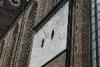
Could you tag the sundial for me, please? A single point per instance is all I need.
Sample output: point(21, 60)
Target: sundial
point(51, 39)
point(17, 3)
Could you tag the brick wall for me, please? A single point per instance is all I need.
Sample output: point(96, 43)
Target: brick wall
point(80, 55)
point(44, 7)
point(18, 40)
point(58, 61)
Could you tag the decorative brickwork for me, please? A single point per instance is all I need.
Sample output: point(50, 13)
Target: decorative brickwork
point(17, 41)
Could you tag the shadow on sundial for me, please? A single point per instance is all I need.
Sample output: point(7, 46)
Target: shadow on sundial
point(9, 9)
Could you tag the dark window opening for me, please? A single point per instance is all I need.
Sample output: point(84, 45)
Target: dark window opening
point(52, 35)
point(77, 6)
point(42, 45)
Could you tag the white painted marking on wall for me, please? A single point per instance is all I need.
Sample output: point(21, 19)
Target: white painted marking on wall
point(53, 47)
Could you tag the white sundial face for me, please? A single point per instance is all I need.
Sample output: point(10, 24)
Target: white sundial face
point(15, 2)
point(51, 39)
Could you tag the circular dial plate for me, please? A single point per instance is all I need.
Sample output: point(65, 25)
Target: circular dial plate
point(16, 2)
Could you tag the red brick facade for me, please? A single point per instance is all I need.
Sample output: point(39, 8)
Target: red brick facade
point(80, 50)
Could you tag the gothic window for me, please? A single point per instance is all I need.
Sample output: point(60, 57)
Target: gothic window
point(98, 16)
point(98, 23)
point(94, 63)
point(93, 27)
point(93, 19)
point(93, 5)
point(93, 45)
point(93, 12)
point(99, 41)
point(93, 35)
point(94, 54)
point(98, 32)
